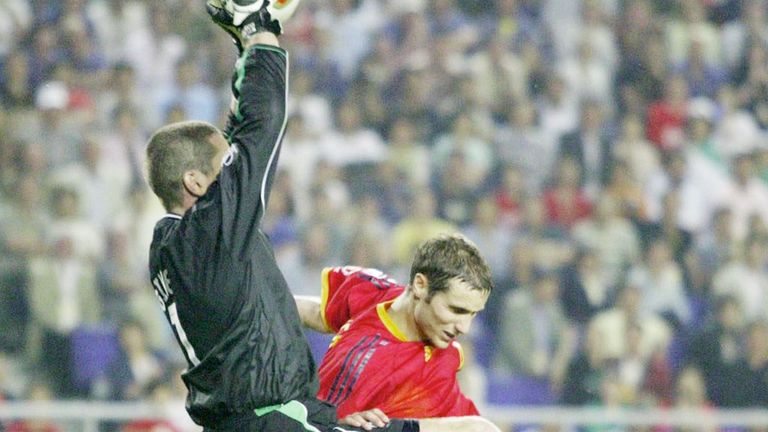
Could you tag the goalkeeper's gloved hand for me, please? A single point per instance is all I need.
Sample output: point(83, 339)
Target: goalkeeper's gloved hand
point(244, 18)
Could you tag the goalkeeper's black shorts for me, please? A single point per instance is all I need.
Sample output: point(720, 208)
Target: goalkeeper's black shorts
point(301, 416)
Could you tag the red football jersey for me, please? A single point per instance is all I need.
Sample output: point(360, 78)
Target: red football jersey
point(370, 363)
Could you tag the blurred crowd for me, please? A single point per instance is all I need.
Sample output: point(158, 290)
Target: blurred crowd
point(609, 157)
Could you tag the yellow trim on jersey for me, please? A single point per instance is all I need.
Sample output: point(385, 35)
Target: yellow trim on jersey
point(381, 309)
point(461, 354)
point(324, 292)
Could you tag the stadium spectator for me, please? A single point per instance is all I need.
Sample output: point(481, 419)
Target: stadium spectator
point(132, 374)
point(499, 72)
point(492, 238)
point(744, 277)
point(69, 222)
point(353, 146)
point(737, 131)
point(62, 296)
point(518, 273)
point(748, 197)
point(584, 288)
point(754, 367)
point(566, 201)
point(690, 390)
point(16, 90)
point(510, 194)
point(24, 222)
point(716, 350)
point(388, 186)
point(13, 379)
point(587, 75)
point(589, 146)
point(408, 154)
point(714, 248)
point(416, 227)
point(195, 97)
point(558, 107)
point(535, 339)
point(551, 246)
point(463, 140)
point(628, 194)
point(98, 181)
point(660, 280)
point(456, 191)
point(611, 237)
point(521, 142)
point(586, 372)
point(691, 201)
point(666, 115)
point(631, 147)
point(641, 378)
point(611, 326)
point(690, 28)
point(316, 252)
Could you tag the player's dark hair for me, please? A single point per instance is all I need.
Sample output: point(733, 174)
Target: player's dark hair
point(450, 256)
point(175, 149)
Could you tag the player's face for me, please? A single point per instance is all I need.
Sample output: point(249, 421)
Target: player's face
point(448, 313)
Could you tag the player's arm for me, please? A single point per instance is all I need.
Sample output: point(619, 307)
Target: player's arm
point(369, 419)
point(256, 125)
point(457, 424)
point(375, 418)
point(309, 312)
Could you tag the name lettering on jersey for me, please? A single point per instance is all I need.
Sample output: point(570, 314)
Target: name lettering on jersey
point(162, 284)
point(163, 287)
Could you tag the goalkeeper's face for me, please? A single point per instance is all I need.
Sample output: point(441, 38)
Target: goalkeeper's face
point(446, 314)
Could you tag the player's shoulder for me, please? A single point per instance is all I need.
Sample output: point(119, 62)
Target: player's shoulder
point(359, 275)
point(164, 227)
point(168, 220)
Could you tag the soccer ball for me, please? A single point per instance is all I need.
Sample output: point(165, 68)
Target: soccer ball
point(282, 10)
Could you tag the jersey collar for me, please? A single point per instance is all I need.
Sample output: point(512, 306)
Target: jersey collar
point(381, 309)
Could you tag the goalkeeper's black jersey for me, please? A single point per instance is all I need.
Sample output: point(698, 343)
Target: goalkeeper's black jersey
point(215, 272)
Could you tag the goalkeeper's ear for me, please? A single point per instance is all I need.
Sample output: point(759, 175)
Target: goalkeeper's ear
point(195, 182)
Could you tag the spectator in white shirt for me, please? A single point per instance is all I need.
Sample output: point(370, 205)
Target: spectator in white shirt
point(745, 278)
point(748, 197)
point(660, 280)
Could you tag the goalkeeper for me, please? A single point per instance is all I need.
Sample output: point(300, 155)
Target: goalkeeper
point(213, 269)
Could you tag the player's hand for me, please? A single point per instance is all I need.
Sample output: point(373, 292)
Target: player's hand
point(367, 420)
point(219, 16)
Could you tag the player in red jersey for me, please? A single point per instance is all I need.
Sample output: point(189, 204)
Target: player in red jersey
point(395, 352)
